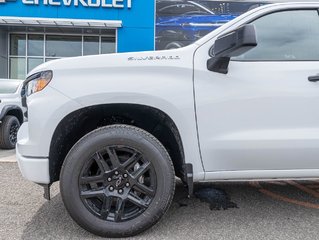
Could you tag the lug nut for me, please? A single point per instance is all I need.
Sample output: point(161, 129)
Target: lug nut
point(120, 191)
point(116, 173)
point(127, 184)
point(111, 188)
point(109, 179)
point(125, 175)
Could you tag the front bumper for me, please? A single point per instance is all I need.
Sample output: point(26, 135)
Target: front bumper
point(34, 169)
point(46, 109)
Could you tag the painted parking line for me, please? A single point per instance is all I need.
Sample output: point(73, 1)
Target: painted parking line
point(304, 187)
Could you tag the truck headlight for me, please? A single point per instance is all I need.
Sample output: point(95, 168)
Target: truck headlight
point(37, 82)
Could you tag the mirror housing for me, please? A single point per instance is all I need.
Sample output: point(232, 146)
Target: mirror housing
point(229, 45)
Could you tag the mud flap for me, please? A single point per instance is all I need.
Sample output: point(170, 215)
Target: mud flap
point(47, 193)
point(188, 178)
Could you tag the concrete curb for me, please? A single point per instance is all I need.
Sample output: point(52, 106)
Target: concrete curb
point(7, 156)
point(10, 159)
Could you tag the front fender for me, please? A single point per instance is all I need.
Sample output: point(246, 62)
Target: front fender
point(183, 117)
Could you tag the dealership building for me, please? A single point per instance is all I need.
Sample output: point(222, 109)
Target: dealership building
point(36, 31)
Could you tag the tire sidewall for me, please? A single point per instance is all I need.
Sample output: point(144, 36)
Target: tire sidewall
point(97, 140)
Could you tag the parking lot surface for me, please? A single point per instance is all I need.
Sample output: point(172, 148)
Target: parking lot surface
point(284, 210)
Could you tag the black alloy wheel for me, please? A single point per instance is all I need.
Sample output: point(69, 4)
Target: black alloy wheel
point(117, 184)
point(117, 181)
point(13, 132)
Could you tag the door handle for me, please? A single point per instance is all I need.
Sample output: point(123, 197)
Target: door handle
point(313, 78)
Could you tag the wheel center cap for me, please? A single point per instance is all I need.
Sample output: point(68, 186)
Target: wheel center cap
point(119, 180)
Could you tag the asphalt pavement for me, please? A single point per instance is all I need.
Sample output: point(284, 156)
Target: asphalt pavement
point(284, 210)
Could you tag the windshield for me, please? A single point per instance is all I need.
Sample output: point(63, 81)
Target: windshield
point(229, 7)
point(7, 86)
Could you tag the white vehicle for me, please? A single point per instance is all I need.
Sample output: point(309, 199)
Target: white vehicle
point(11, 113)
point(116, 129)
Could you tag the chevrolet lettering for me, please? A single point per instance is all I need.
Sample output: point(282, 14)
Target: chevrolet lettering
point(85, 3)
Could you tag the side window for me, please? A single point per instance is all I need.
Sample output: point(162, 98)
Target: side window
point(286, 36)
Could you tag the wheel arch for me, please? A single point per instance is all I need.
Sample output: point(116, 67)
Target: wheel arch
point(82, 121)
point(12, 110)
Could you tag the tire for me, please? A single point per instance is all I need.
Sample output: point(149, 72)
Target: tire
point(8, 132)
point(174, 45)
point(112, 165)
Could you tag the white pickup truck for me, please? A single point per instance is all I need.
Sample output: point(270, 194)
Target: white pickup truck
point(239, 104)
point(11, 113)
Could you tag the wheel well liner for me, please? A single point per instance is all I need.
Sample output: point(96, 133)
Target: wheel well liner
point(77, 124)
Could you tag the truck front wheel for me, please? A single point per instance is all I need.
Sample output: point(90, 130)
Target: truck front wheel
point(117, 181)
point(8, 132)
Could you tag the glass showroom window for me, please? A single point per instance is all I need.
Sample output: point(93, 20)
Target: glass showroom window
point(18, 51)
point(30, 50)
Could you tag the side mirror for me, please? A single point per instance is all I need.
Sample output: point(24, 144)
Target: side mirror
point(230, 45)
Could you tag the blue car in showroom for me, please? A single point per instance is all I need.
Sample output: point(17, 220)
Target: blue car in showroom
point(182, 22)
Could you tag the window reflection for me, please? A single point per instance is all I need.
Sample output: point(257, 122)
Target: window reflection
point(107, 45)
point(34, 62)
point(17, 68)
point(35, 45)
point(286, 36)
point(91, 45)
point(63, 46)
point(17, 43)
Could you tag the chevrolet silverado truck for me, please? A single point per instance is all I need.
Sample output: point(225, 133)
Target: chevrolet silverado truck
point(239, 104)
point(11, 116)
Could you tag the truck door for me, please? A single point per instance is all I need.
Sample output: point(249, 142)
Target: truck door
point(262, 118)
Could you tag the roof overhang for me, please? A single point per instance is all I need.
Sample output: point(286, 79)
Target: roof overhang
point(60, 22)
